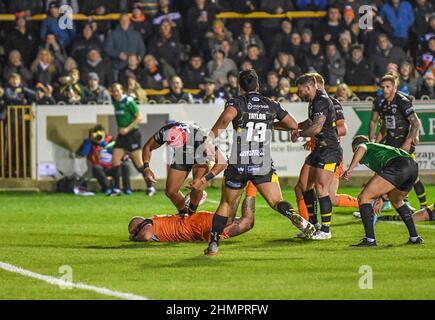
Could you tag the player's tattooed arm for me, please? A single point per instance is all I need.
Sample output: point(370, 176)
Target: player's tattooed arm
point(315, 127)
point(373, 124)
point(246, 222)
point(413, 131)
point(305, 124)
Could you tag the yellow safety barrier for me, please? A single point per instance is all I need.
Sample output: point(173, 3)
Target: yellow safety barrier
point(222, 15)
point(15, 143)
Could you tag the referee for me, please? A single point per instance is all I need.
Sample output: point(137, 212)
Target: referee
point(128, 118)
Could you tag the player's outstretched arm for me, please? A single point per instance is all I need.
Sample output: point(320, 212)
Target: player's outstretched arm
point(357, 156)
point(228, 115)
point(413, 132)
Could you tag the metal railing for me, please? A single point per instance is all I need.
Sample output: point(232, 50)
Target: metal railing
point(15, 143)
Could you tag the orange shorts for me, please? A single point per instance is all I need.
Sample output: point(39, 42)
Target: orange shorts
point(339, 170)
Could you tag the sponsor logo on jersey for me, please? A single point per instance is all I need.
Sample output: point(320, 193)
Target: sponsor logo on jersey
point(252, 153)
point(255, 99)
point(240, 170)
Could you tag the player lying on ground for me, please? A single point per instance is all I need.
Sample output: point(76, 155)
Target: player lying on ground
point(399, 123)
point(425, 214)
point(252, 116)
point(396, 173)
point(186, 143)
point(197, 227)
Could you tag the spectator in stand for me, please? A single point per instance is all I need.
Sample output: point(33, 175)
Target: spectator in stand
point(71, 91)
point(385, 53)
point(165, 12)
point(330, 29)
point(15, 65)
point(219, 33)
point(349, 19)
point(156, 73)
point(87, 41)
point(201, 16)
point(335, 65)
point(369, 36)
point(297, 50)
point(53, 25)
point(241, 6)
point(231, 89)
point(260, 63)
point(284, 94)
point(121, 43)
point(43, 95)
point(315, 58)
point(90, 7)
point(58, 53)
point(176, 93)
point(134, 90)
point(271, 89)
point(423, 10)
point(400, 15)
point(194, 73)
point(358, 69)
point(209, 94)
point(344, 44)
point(344, 93)
point(149, 7)
point(30, 7)
point(426, 61)
point(219, 67)
point(408, 78)
point(23, 39)
point(271, 26)
point(94, 92)
point(427, 89)
point(16, 93)
point(95, 63)
point(167, 46)
point(103, 27)
point(141, 23)
point(286, 66)
point(307, 39)
point(309, 5)
point(44, 69)
point(281, 41)
point(69, 65)
point(247, 38)
point(430, 33)
point(133, 67)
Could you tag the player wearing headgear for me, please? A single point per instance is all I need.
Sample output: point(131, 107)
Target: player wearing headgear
point(186, 142)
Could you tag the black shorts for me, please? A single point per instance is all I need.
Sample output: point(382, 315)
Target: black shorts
point(326, 159)
point(129, 142)
point(401, 172)
point(182, 167)
point(235, 179)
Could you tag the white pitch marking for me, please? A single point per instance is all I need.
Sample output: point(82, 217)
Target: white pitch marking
point(59, 282)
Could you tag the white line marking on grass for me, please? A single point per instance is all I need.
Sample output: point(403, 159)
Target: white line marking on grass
point(417, 225)
point(60, 282)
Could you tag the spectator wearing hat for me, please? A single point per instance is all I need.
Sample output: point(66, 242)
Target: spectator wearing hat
point(134, 68)
point(349, 17)
point(218, 34)
point(219, 67)
point(427, 89)
point(194, 73)
point(385, 53)
point(166, 45)
point(401, 17)
point(95, 63)
point(134, 90)
point(409, 78)
point(156, 74)
point(209, 94)
point(121, 43)
point(23, 39)
point(141, 23)
point(94, 92)
point(85, 43)
point(369, 36)
point(176, 93)
point(15, 65)
point(426, 61)
point(358, 69)
point(53, 25)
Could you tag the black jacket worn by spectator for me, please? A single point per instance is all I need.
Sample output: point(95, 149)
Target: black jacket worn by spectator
point(359, 73)
point(426, 91)
point(168, 49)
point(380, 59)
point(198, 28)
point(192, 78)
point(26, 75)
point(261, 65)
point(369, 37)
point(153, 79)
point(281, 43)
point(82, 46)
point(178, 98)
point(102, 68)
point(334, 30)
point(138, 73)
point(26, 43)
point(315, 62)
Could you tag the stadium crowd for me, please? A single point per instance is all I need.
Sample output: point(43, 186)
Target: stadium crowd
point(158, 44)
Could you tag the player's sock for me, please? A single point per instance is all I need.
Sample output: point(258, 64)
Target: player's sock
point(310, 199)
point(345, 200)
point(192, 208)
point(303, 211)
point(149, 184)
point(406, 215)
point(116, 177)
point(218, 225)
point(251, 190)
point(285, 208)
point(367, 215)
point(325, 213)
point(421, 194)
point(183, 211)
point(431, 212)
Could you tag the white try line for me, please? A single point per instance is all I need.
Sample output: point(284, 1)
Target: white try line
point(66, 284)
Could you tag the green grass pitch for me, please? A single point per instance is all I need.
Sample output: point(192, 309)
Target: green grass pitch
point(41, 232)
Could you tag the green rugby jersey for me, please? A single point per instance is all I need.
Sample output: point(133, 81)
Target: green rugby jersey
point(125, 111)
point(378, 155)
